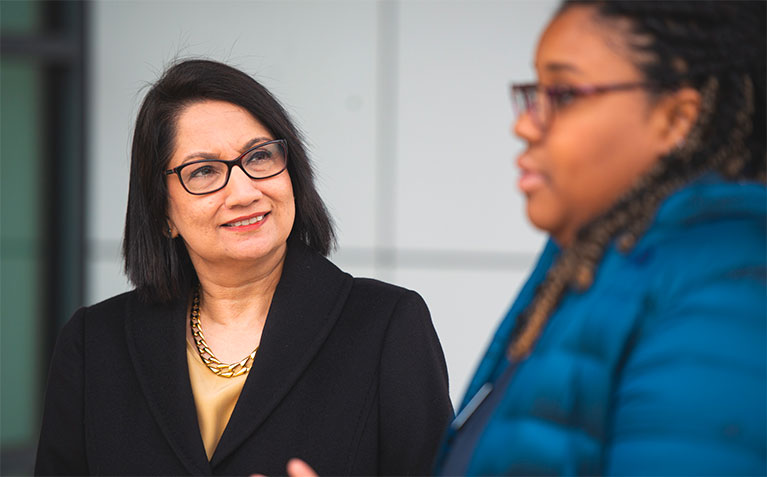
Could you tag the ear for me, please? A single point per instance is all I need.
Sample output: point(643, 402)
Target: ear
point(171, 231)
point(675, 116)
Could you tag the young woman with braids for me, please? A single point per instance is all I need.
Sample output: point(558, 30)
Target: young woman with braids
point(638, 344)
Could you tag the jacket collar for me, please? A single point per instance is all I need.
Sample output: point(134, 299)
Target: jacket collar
point(306, 304)
point(498, 347)
point(156, 338)
point(706, 198)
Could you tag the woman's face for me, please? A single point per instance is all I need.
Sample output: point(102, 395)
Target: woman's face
point(595, 147)
point(216, 227)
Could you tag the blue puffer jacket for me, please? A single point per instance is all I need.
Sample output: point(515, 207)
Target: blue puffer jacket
point(657, 369)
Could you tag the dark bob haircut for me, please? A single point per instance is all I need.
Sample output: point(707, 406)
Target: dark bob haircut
point(158, 266)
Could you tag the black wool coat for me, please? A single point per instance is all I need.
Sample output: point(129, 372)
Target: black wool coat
point(350, 377)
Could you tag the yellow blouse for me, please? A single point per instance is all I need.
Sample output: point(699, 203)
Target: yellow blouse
point(214, 398)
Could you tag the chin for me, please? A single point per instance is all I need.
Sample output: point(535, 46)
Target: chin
point(541, 217)
point(265, 251)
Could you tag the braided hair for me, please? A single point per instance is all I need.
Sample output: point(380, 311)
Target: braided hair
point(716, 47)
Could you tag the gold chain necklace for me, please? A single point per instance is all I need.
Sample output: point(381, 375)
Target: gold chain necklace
point(217, 367)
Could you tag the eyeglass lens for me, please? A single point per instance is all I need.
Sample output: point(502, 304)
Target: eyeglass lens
point(258, 163)
point(532, 100)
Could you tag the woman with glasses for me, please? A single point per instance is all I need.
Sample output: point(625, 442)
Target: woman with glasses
point(637, 346)
point(242, 346)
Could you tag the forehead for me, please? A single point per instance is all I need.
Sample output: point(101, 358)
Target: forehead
point(214, 128)
point(209, 119)
point(580, 42)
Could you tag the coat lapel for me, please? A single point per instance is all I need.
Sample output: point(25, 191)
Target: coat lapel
point(157, 344)
point(308, 300)
point(497, 350)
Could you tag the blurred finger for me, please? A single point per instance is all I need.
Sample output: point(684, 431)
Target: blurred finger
point(299, 468)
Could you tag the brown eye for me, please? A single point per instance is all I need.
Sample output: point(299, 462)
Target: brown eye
point(258, 156)
point(202, 171)
point(203, 174)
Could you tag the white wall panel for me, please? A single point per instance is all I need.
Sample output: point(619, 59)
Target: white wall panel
point(466, 307)
point(456, 178)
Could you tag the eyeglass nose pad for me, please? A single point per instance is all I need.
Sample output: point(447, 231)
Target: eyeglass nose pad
point(537, 115)
point(238, 165)
point(241, 165)
point(525, 103)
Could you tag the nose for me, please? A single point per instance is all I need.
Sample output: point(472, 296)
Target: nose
point(526, 128)
point(241, 190)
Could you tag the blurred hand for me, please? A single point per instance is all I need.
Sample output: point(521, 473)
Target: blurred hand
point(299, 468)
point(296, 468)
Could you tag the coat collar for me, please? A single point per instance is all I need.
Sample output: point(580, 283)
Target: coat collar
point(156, 338)
point(497, 350)
point(306, 304)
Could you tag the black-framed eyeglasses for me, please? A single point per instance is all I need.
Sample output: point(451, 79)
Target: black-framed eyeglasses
point(206, 176)
point(541, 102)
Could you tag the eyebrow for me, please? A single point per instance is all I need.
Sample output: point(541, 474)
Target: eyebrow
point(557, 67)
point(207, 155)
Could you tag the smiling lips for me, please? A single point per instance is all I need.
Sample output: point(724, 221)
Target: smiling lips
point(252, 220)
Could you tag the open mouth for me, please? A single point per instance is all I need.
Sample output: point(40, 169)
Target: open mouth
point(250, 221)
